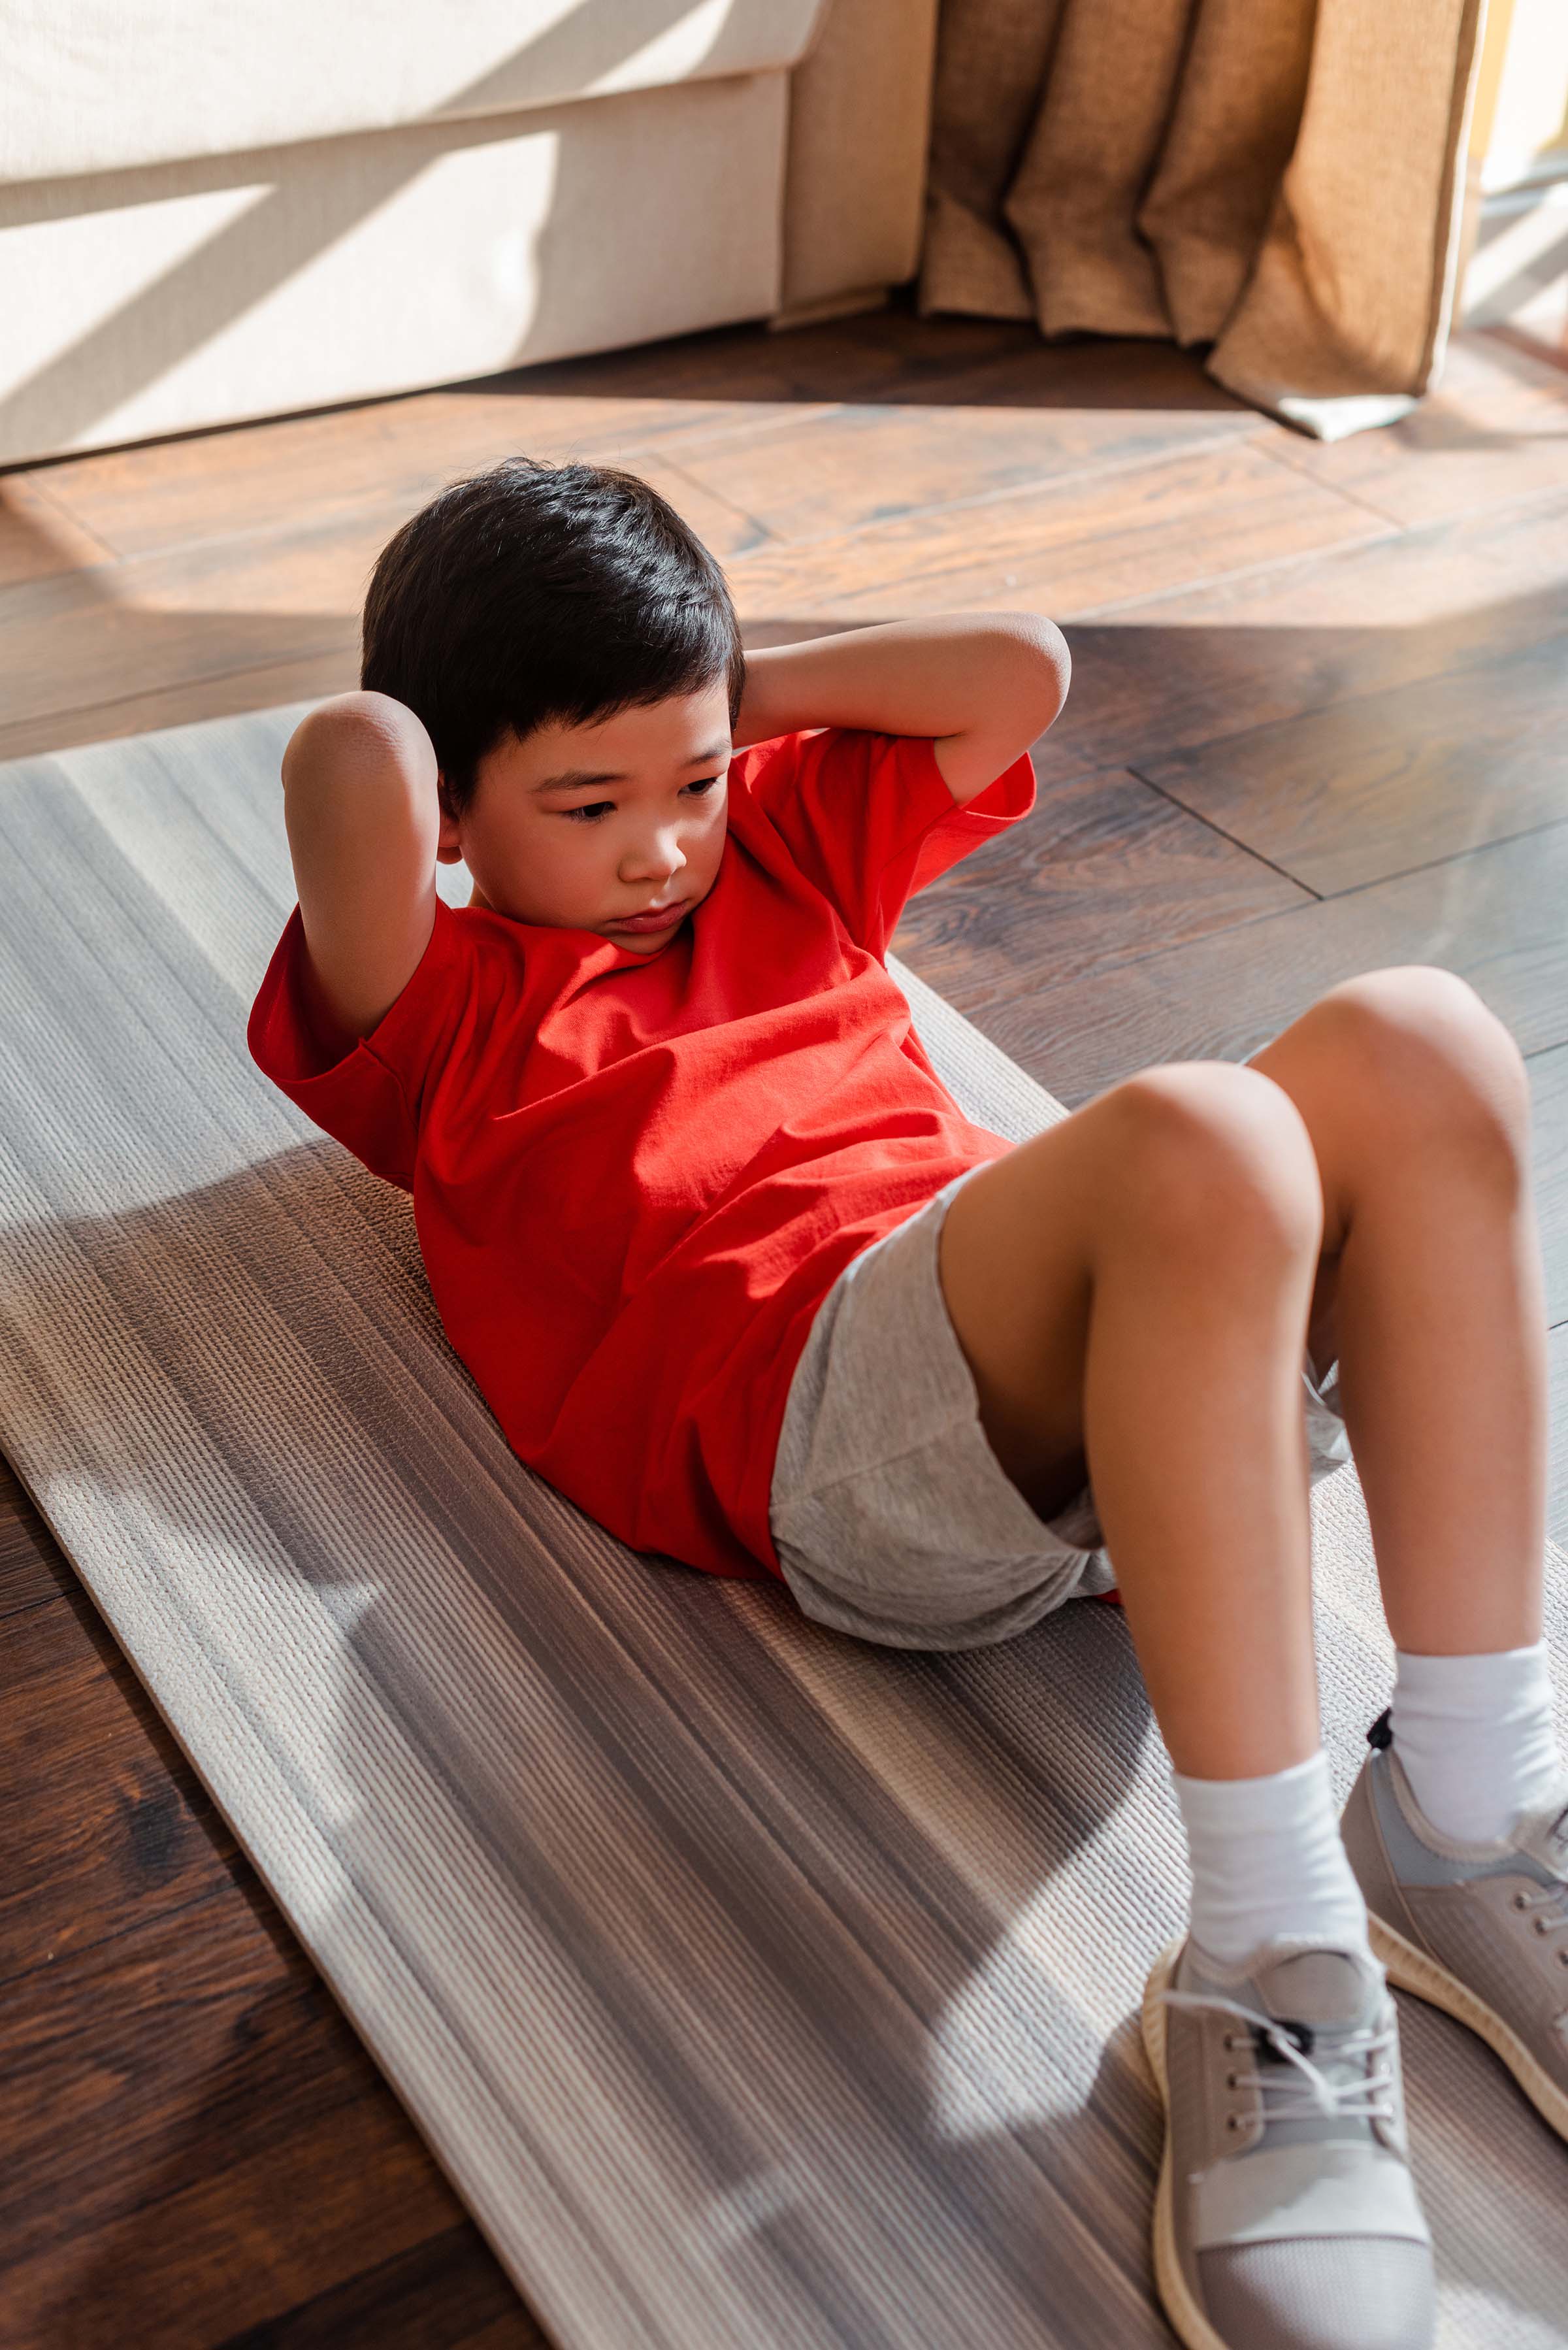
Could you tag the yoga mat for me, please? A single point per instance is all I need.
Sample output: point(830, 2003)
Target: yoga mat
point(752, 1985)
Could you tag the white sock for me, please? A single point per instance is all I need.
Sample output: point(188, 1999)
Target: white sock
point(1268, 1859)
point(1476, 1736)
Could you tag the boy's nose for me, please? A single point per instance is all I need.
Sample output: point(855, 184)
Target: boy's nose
point(661, 857)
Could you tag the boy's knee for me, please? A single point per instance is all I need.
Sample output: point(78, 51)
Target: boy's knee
point(1426, 1057)
point(1216, 1153)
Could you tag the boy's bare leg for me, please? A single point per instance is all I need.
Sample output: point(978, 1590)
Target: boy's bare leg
point(1138, 1284)
point(1432, 1293)
point(1134, 1285)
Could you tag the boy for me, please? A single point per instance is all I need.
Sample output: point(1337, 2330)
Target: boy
point(735, 1273)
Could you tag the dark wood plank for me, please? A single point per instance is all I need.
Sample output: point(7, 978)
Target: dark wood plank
point(1385, 782)
point(1101, 870)
point(435, 2297)
point(154, 1991)
point(1496, 430)
point(1102, 375)
point(1495, 916)
point(102, 1826)
point(889, 357)
point(1203, 663)
point(197, 2143)
point(33, 1567)
point(158, 2030)
point(1076, 547)
point(1549, 1109)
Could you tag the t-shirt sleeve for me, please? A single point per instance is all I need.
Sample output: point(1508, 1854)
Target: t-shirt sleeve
point(870, 818)
point(372, 1101)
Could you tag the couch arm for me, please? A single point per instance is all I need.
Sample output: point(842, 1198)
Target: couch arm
point(860, 111)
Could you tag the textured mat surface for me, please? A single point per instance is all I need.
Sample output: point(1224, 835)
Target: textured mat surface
point(754, 1986)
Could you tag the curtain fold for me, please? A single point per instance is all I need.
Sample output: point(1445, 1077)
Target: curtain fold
point(1278, 180)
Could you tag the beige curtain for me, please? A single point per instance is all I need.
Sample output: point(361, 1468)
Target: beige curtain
point(1279, 179)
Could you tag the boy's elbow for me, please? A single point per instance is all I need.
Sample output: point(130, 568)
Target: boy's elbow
point(1040, 663)
point(355, 734)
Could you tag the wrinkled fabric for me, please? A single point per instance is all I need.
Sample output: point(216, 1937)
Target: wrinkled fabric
point(1279, 179)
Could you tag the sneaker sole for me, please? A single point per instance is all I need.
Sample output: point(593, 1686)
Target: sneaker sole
point(1414, 1971)
point(1185, 2317)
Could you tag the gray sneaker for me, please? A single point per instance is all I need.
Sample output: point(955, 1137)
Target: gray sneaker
point(1480, 1930)
point(1286, 2217)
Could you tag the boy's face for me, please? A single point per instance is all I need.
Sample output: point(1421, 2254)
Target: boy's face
point(582, 826)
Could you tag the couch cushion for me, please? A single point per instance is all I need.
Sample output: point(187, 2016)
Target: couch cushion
point(202, 291)
point(93, 86)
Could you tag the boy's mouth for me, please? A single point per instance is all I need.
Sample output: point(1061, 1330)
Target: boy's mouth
point(658, 918)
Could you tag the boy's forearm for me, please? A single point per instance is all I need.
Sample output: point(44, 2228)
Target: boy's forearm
point(965, 671)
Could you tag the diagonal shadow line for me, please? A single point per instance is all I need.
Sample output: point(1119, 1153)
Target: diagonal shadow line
point(566, 59)
point(229, 270)
point(204, 292)
point(1532, 276)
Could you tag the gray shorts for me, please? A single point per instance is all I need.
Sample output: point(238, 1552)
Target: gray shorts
point(892, 1517)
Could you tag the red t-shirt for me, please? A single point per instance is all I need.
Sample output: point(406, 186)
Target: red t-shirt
point(636, 1176)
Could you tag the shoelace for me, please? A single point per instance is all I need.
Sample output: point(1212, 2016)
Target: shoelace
point(1552, 1898)
point(1339, 2099)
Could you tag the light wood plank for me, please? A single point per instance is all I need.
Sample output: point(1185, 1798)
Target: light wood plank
point(1496, 430)
point(221, 696)
point(161, 494)
point(1537, 339)
point(202, 612)
point(394, 454)
point(825, 475)
point(1079, 547)
point(38, 538)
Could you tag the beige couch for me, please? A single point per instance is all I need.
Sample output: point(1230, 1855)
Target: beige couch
point(219, 209)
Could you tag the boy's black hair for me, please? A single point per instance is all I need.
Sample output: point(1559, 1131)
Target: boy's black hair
point(532, 592)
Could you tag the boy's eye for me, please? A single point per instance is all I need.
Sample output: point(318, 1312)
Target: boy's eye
point(591, 811)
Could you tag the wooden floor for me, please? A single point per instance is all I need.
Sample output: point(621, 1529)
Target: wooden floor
point(1316, 725)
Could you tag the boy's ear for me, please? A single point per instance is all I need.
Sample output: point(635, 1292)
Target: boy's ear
point(448, 849)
